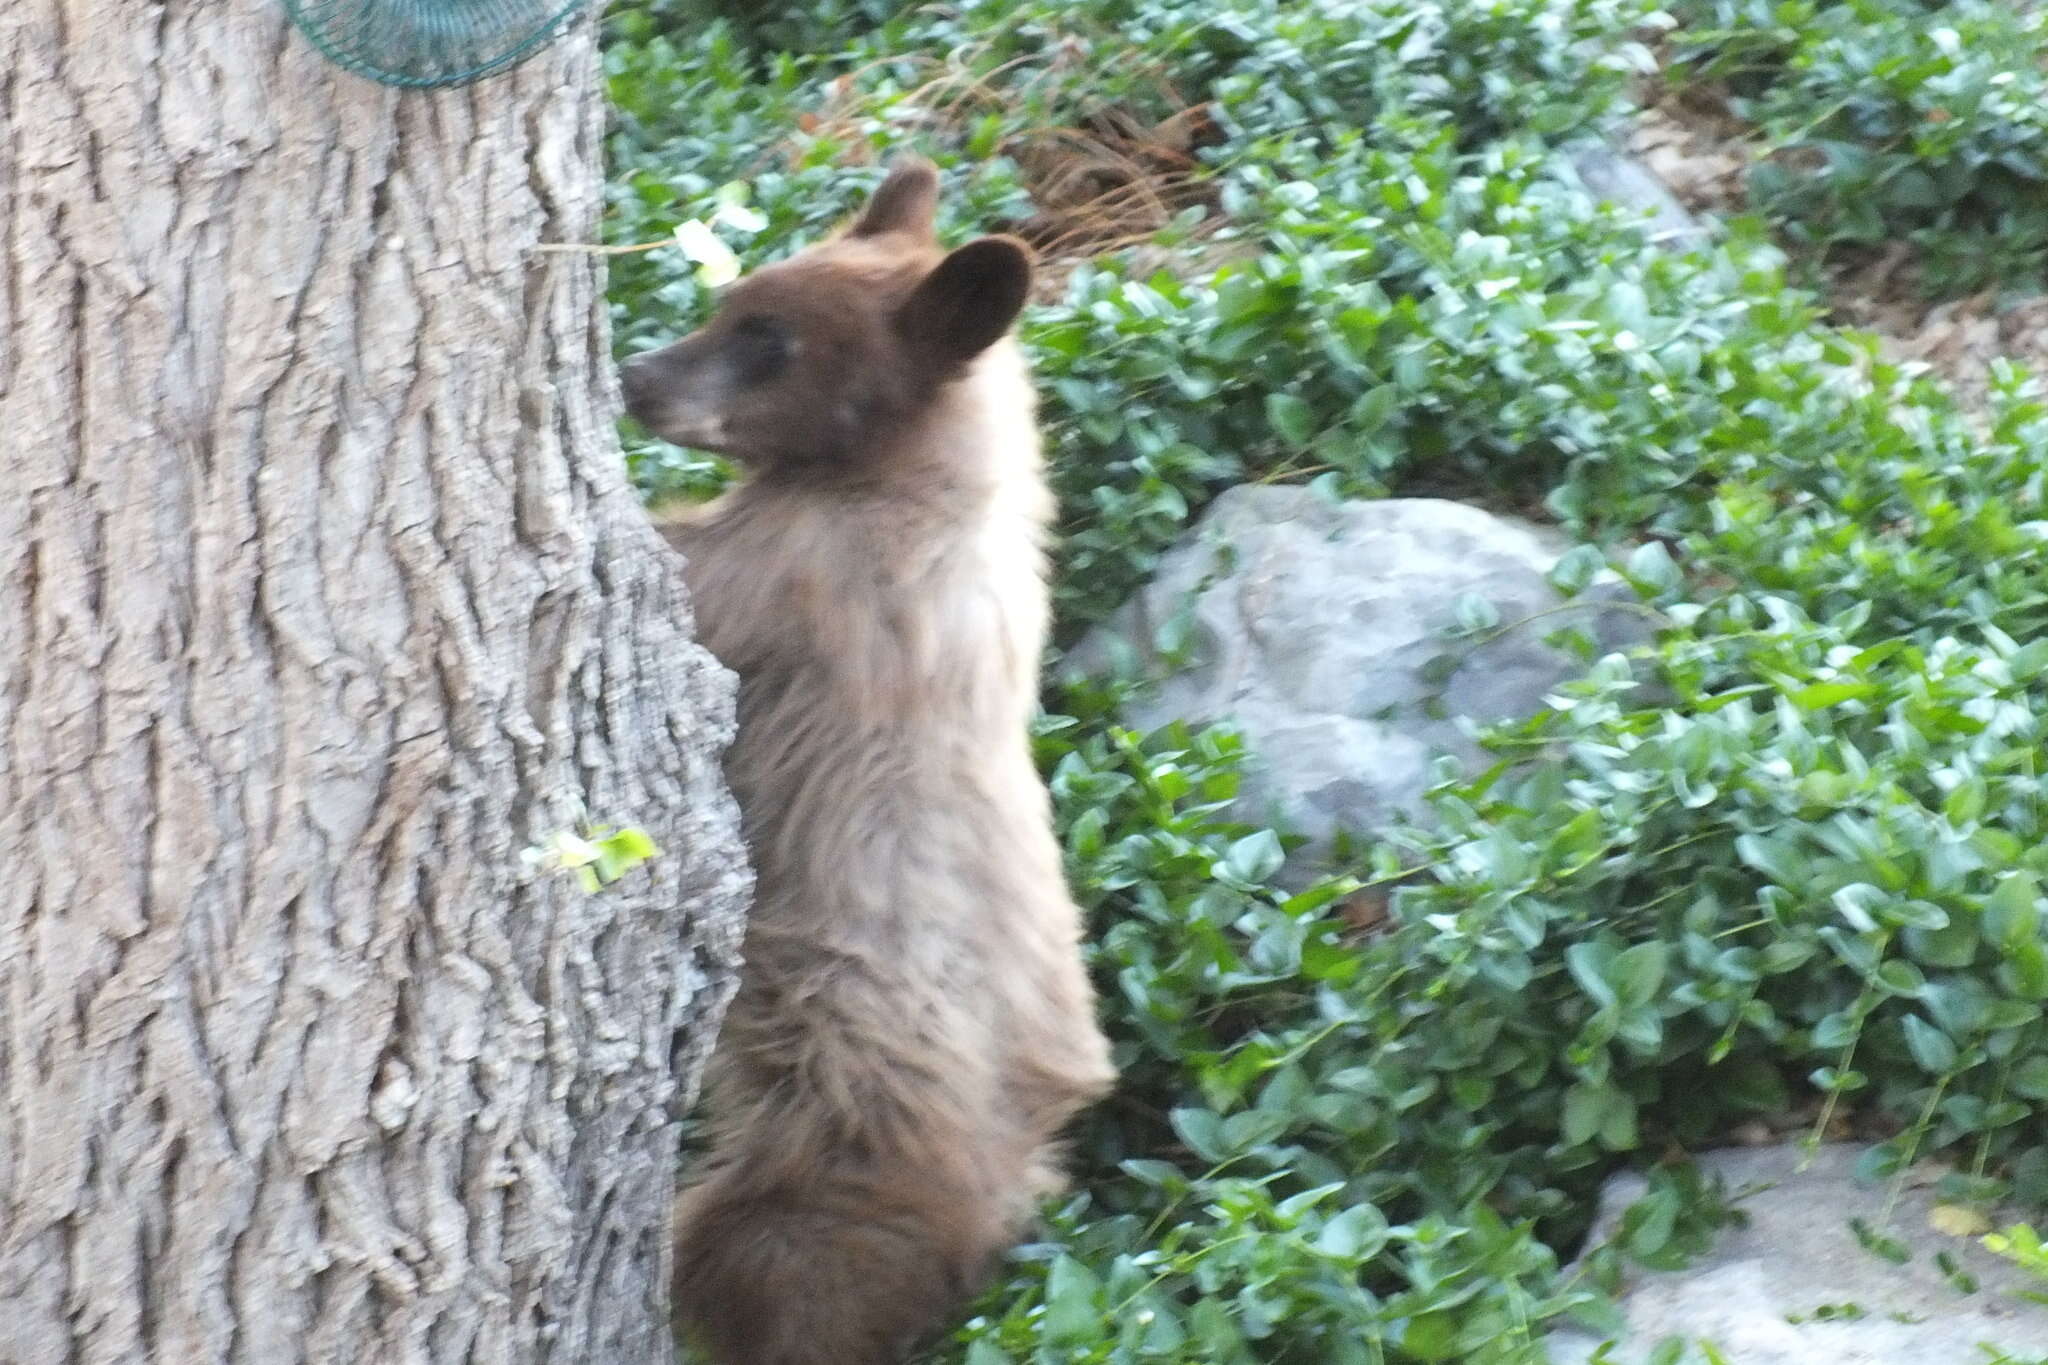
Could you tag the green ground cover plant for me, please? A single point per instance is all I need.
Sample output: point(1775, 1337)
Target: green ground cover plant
point(1891, 121)
point(1807, 879)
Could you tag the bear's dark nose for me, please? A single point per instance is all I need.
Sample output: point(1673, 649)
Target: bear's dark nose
point(636, 382)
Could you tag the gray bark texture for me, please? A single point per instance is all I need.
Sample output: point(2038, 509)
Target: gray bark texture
point(321, 589)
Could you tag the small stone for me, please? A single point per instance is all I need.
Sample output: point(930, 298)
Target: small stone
point(1612, 174)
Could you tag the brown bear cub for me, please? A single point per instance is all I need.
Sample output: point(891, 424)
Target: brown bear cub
point(913, 1025)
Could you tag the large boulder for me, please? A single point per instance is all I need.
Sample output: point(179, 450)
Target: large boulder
point(1796, 1286)
point(1319, 628)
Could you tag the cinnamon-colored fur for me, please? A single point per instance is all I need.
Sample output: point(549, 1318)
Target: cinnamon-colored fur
point(913, 1025)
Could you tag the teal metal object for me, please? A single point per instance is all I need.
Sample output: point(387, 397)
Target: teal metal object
point(423, 44)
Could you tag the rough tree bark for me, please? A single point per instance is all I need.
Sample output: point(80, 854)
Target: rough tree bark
point(319, 584)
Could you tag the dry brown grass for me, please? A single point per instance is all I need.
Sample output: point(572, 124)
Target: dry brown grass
point(1105, 179)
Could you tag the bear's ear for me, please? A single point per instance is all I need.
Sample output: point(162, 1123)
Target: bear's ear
point(968, 301)
point(907, 201)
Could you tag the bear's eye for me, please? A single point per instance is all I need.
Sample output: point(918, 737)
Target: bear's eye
point(759, 347)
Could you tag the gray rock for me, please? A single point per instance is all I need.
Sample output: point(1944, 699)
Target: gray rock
point(1313, 625)
point(1754, 1297)
point(1613, 175)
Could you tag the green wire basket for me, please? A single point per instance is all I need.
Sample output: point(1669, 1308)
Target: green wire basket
point(424, 44)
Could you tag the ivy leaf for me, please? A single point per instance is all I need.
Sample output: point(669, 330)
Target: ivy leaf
point(1253, 859)
point(2012, 911)
point(1651, 566)
point(1073, 1313)
point(1931, 1048)
point(1292, 418)
point(1356, 1234)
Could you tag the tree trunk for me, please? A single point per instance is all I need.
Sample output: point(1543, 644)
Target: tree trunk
point(321, 594)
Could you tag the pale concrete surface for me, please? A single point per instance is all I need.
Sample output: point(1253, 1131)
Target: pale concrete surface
point(1799, 1254)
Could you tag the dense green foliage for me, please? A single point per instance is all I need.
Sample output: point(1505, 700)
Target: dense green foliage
point(1811, 873)
point(1892, 120)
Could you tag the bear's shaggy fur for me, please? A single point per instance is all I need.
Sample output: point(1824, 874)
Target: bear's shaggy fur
point(913, 1025)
